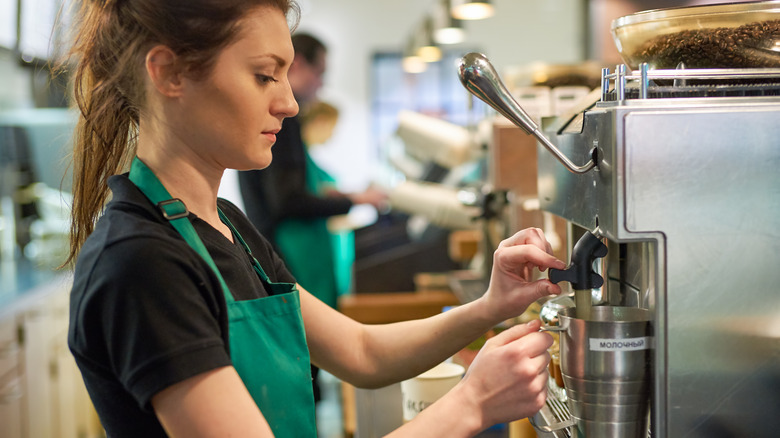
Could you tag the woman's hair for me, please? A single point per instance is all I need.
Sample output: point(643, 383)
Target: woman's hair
point(111, 45)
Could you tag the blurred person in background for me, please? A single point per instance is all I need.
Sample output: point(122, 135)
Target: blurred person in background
point(333, 271)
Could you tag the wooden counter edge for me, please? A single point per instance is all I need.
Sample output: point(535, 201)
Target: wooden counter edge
point(382, 308)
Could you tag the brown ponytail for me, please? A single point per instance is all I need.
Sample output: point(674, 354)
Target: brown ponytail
point(111, 45)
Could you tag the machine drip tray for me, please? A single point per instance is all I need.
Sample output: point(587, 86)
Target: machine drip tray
point(556, 411)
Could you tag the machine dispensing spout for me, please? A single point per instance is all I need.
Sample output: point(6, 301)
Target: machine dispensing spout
point(580, 272)
point(480, 78)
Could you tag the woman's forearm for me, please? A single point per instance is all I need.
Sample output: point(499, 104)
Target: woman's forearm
point(372, 356)
point(398, 351)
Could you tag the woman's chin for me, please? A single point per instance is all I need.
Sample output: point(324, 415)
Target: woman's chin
point(258, 162)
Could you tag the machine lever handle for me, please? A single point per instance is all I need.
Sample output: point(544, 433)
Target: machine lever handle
point(480, 78)
point(580, 271)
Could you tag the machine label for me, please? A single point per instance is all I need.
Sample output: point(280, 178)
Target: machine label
point(627, 344)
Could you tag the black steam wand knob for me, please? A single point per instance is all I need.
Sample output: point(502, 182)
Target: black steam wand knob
point(580, 272)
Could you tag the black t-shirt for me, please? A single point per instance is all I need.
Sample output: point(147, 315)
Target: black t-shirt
point(147, 311)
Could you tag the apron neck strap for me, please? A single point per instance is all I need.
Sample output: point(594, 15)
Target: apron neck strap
point(255, 264)
point(174, 210)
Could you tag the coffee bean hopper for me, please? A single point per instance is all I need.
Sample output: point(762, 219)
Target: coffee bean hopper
point(670, 182)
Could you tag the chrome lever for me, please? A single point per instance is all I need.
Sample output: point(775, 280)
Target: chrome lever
point(480, 78)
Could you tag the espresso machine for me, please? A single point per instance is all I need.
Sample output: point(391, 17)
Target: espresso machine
point(676, 172)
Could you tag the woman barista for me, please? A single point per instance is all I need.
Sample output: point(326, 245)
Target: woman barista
point(183, 320)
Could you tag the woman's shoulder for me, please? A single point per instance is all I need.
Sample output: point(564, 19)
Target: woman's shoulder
point(129, 216)
point(126, 249)
point(131, 236)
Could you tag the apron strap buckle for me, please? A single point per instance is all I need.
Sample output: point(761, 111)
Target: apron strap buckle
point(173, 209)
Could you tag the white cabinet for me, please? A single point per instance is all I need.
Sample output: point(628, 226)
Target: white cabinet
point(43, 394)
point(11, 406)
point(37, 378)
point(10, 381)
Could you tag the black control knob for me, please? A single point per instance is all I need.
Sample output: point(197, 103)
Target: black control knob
point(580, 272)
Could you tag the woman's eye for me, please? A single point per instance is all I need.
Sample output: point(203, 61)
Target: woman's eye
point(264, 79)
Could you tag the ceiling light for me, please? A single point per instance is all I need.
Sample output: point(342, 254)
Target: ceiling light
point(472, 9)
point(427, 49)
point(412, 62)
point(446, 28)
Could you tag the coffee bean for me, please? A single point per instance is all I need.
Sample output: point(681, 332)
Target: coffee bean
point(746, 46)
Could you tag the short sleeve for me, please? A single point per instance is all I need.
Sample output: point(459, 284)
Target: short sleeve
point(151, 310)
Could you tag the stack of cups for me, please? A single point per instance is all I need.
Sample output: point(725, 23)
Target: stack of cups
point(605, 363)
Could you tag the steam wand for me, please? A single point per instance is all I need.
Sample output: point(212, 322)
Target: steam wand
point(480, 78)
point(580, 272)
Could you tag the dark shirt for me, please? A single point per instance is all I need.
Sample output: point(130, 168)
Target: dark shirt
point(146, 310)
point(279, 192)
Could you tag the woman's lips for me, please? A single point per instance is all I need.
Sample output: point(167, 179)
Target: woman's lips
point(271, 135)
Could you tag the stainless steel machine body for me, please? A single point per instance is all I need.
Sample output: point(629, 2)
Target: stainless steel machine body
point(686, 193)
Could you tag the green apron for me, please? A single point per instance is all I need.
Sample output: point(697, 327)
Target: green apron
point(321, 260)
point(267, 340)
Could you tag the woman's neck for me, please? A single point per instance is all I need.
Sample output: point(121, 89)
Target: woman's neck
point(186, 177)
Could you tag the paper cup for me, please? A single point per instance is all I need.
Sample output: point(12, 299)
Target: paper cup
point(420, 392)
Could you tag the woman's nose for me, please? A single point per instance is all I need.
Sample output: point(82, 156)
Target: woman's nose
point(286, 105)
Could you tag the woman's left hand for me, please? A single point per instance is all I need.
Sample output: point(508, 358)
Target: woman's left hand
point(512, 288)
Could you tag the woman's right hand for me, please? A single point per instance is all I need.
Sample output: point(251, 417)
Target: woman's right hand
point(508, 379)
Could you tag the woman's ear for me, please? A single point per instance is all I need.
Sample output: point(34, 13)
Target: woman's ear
point(164, 71)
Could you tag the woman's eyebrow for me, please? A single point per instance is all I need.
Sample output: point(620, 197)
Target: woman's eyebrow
point(281, 62)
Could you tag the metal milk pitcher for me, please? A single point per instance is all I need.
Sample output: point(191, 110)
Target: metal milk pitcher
point(606, 367)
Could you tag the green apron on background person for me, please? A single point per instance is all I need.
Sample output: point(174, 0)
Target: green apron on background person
point(267, 339)
point(320, 260)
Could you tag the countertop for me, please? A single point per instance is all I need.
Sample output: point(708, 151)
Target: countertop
point(23, 283)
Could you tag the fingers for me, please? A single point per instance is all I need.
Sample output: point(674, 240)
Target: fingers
point(534, 342)
point(542, 289)
point(539, 388)
point(528, 236)
point(545, 366)
point(510, 373)
point(516, 332)
point(530, 358)
point(520, 255)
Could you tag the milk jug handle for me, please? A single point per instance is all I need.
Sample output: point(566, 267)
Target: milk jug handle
point(564, 325)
